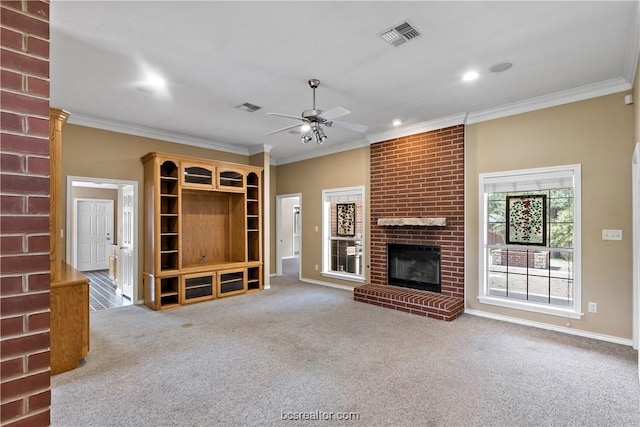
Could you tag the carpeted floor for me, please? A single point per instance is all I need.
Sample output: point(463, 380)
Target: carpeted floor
point(306, 351)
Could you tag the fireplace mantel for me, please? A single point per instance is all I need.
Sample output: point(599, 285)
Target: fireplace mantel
point(423, 222)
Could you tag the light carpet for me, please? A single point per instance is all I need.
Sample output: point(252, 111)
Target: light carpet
point(302, 351)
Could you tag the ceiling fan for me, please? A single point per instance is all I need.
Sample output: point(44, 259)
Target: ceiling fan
point(314, 120)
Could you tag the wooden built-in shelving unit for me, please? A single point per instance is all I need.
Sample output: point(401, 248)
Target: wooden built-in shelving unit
point(203, 229)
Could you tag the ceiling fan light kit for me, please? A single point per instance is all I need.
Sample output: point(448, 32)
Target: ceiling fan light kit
point(314, 119)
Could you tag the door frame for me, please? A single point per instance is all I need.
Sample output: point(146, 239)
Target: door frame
point(635, 186)
point(70, 214)
point(279, 199)
point(74, 229)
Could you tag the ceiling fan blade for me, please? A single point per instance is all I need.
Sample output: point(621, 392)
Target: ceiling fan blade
point(348, 126)
point(289, 116)
point(335, 113)
point(283, 129)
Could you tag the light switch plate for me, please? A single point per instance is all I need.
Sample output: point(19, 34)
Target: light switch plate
point(611, 234)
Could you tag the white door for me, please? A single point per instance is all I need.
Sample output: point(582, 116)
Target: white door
point(296, 230)
point(95, 234)
point(125, 257)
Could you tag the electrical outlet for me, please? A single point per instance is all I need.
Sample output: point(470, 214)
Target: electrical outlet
point(611, 234)
point(316, 267)
point(593, 307)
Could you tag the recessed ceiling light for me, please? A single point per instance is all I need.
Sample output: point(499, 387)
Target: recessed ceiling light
point(152, 83)
point(469, 76)
point(396, 122)
point(500, 66)
point(156, 81)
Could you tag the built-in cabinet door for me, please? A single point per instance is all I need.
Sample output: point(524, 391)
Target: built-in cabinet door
point(198, 176)
point(231, 180)
point(198, 287)
point(232, 282)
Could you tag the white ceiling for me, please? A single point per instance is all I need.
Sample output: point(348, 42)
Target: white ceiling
point(217, 55)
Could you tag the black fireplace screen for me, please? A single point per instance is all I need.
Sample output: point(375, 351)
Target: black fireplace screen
point(414, 266)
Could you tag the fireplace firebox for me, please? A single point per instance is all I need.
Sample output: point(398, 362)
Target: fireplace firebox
point(414, 266)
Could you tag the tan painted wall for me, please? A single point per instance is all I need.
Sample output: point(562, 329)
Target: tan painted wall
point(599, 134)
point(310, 177)
point(96, 153)
point(636, 104)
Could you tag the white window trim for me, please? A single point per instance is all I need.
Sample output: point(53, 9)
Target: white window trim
point(574, 312)
point(326, 235)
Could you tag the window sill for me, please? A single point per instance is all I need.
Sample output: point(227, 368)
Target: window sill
point(349, 277)
point(528, 306)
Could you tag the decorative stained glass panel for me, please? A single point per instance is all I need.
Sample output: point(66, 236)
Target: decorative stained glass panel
point(346, 219)
point(526, 216)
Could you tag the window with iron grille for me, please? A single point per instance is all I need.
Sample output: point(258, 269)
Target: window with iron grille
point(539, 271)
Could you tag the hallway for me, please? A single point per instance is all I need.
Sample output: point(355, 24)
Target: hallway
point(102, 291)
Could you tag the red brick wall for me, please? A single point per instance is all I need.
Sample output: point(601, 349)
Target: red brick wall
point(24, 223)
point(420, 176)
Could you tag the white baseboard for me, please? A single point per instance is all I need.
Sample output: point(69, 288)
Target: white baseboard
point(570, 331)
point(327, 284)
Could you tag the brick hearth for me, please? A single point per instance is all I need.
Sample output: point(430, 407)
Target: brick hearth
point(422, 303)
point(419, 176)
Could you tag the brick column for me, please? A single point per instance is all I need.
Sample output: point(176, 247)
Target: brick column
point(420, 175)
point(24, 207)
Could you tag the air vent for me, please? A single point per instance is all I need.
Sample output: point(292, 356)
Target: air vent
point(248, 107)
point(400, 34)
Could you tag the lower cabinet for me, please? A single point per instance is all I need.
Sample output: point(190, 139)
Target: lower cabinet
point(198, 287)
point(177, 289)
point(69, 313)
point(232, 282)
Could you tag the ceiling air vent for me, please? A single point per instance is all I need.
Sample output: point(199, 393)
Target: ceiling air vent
point(400, 34)
point(248, 107)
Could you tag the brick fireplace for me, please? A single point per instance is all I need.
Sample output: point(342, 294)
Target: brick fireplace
point(416, 177)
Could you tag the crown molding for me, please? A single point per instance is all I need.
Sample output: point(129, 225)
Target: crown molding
point(443, 122)
point(130, 129)
point(607, 87)
point(260, 148)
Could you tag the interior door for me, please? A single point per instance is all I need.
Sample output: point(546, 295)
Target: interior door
point(125, 258)
point(94, 234)
point(296, 230)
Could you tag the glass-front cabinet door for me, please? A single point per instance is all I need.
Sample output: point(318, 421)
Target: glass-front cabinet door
point(231, 180)
point(198, 176)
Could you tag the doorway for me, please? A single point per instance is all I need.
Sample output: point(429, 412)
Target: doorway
point(101, 236)
point(289, 234)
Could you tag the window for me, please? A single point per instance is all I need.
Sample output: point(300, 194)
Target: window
point(343, 233)
point(535, 272)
